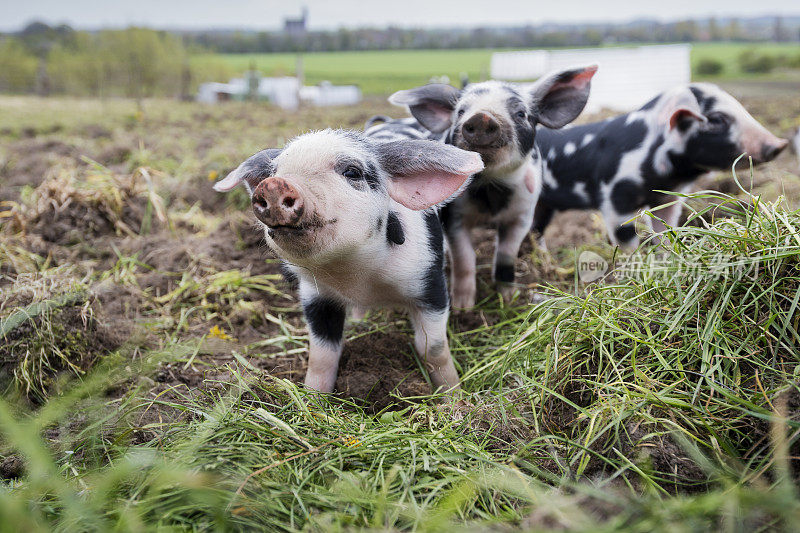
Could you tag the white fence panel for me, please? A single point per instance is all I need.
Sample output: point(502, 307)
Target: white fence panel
point(626, 79)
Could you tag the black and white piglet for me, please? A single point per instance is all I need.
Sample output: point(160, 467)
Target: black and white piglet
point(499, 121)
point(355, 221)
point(617, 165)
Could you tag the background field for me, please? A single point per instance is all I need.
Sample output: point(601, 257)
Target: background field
point(383, 72)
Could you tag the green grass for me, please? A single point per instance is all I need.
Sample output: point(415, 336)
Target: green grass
point(382, 72)
point(376, 72)
point(728, 55)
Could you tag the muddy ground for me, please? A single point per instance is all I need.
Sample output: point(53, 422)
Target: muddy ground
point(122, 202)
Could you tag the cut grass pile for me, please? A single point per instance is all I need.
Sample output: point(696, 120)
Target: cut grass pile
point(665, 398)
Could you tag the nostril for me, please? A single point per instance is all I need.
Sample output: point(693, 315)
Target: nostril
point(770, 152)
point(260, 205)
point(288, 202)
point(469, 128)
point(491, 128)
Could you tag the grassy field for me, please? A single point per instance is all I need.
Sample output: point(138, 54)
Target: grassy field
point(382, 72)
point(151, 356)
point(376, 72)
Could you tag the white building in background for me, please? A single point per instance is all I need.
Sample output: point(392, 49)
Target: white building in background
point(282, 91)
point(326, 94)
point(626, 79)
point(285, 92)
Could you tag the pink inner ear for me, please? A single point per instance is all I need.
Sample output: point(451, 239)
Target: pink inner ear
point(229, 182)
point(441, 118)
point(420, 191)
point(683, 112)
point(578, 81)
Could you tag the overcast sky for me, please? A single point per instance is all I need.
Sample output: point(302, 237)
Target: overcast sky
point(327, 14)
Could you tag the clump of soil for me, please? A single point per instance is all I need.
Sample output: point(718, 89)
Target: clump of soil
point(60, 342)
point(50, 327)
point(65, 211)
point(504, 432)
point(12, 467)
point(657, 451)
point(30, 162)
point(235, 245)
point(114, 155)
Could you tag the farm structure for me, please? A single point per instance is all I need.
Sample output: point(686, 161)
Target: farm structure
point(626, 79)
point(285, 92)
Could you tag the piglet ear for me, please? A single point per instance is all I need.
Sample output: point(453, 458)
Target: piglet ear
point(251, 172)
point(679, 107)
point(426, 173)
point(432, 105)
point(559, 98)
point(682, 116)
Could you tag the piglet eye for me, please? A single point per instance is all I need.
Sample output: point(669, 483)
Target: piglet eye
point(460, 112)
point(521, 114)
point(352, 173)
point(717, 121)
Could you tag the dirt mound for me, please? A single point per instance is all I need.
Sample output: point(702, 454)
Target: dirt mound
point(50, 340)
point(29, 162)
point(66, 211)
point(114, 154)
point(82, 221)
point(199, 191)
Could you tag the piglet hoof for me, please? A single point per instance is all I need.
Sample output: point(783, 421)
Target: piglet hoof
point(319, 383)
point(464, 296)
point(448, 395)
point(507, 291)
point(447, 388)
point(357, 314)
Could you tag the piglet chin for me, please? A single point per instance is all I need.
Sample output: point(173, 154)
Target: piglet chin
point(292, 245)
point(287, 232)
point(491, 156)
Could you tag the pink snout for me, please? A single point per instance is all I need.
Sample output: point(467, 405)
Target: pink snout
point(771, 149)
point(480, 130)
point(277, 203)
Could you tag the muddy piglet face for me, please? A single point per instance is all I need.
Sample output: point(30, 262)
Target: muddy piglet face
point(328, 193)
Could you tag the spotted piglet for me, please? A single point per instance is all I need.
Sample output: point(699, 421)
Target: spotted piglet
point(500, 122)
point(621, 165)
point(356, 222)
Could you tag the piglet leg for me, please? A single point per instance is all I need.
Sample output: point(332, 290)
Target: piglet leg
point(509, 239)
point(325, 317)
point(463, 268)
point(621, 229)
point(670, 215)
point(430, 341)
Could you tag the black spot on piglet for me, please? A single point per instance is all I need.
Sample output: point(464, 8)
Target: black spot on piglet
point(625, 233)
point(394, 229)
point(325, 317)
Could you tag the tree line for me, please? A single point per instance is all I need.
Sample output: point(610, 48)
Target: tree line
point(547, 35)
point(134, 62)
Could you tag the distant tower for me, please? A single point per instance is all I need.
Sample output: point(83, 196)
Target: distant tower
point(296, 27)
